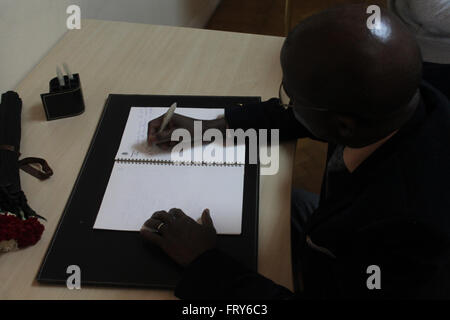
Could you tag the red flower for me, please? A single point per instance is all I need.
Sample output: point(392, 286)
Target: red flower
point(25, 232)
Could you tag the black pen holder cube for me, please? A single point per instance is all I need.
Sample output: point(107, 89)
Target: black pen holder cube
point(63, 101)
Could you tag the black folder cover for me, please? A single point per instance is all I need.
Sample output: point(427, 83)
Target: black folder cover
point(118, 257)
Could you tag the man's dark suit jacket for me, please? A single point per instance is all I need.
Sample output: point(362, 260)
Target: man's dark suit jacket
point(396, 215)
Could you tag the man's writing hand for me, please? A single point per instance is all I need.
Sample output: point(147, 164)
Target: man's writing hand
point(179, 236)
point(163, 138)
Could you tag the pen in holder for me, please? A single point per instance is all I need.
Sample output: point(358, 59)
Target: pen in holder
point(65, 98)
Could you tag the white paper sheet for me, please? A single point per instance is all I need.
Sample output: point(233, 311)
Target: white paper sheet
point(136, 191)
point(133, 145)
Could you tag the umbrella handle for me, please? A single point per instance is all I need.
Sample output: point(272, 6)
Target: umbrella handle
point(29, 166)
point(26, 164)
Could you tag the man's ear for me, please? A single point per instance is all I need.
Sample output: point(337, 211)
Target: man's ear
point(346, 126)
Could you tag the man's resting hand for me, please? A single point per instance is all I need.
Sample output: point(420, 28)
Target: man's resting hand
point(179, 236)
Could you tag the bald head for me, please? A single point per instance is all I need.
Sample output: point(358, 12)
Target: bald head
point(366, 78)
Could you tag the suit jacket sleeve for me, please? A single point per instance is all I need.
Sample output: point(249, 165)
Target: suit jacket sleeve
point(393, 258)
point(217, 276)
point(410, 267)
point(267, 115)
point(412, 257)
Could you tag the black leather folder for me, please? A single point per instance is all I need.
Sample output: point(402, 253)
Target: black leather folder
point(121, 258)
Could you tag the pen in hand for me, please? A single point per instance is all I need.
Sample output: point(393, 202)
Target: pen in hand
point(167, 117)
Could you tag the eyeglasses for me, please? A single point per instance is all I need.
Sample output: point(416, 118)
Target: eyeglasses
point(286, 102)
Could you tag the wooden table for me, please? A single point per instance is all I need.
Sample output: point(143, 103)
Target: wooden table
point(118, 57)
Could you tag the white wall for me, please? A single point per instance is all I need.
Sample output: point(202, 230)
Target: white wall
point(186, 13)
point(30, 28)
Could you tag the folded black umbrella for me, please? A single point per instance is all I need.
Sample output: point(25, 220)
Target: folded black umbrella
point(12, 198)
point(10, 132)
